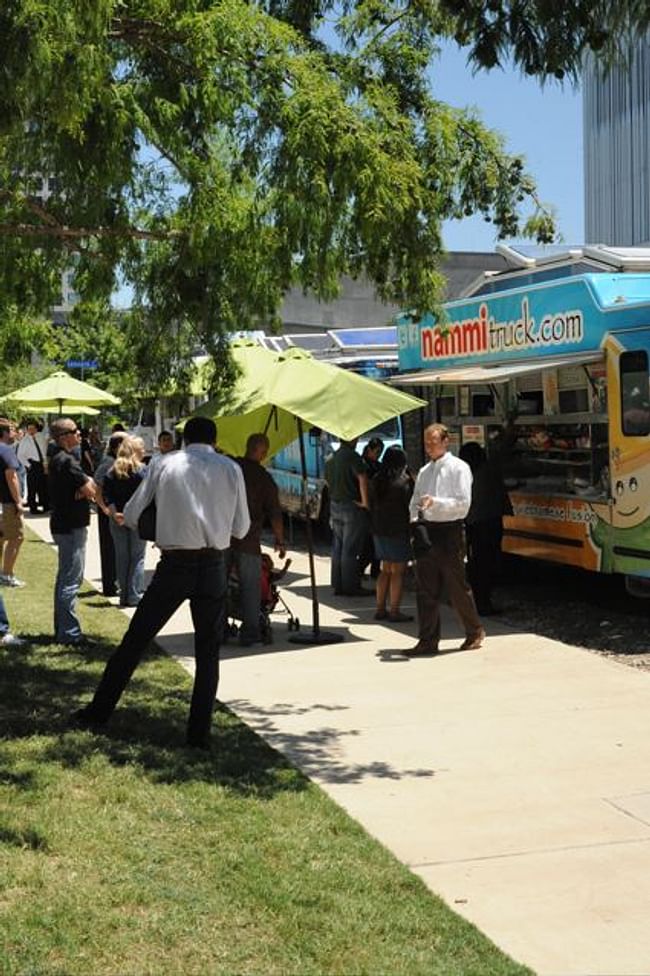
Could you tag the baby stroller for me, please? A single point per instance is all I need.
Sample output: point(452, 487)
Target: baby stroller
point(270, 598)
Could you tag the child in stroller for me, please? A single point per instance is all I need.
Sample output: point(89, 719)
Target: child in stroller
point(270, 597)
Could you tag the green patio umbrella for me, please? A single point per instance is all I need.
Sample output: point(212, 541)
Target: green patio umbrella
point(285, 391)
point(246, 409)
point(338, 400)
point(62, 391)
point(77, 410)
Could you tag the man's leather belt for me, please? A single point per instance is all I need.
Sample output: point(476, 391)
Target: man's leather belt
point(193, 553)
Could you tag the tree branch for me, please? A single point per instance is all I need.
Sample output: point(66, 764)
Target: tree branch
point(79, 233)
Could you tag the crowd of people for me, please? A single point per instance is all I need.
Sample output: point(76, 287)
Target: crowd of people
point(210, 510)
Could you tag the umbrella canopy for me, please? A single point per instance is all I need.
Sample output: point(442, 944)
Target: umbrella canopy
point(78, 410)
point(336, 399)
point(247, 409)
point(63, 391)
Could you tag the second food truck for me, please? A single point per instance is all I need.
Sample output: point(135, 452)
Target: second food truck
point(556, 353)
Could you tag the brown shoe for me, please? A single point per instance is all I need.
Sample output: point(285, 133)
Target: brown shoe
point(474, 642)
point(422, 649)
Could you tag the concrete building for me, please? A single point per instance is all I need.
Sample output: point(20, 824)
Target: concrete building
point(616, 121)
point(358, 307)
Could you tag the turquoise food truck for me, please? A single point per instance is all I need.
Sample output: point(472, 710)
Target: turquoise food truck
point(554, 351)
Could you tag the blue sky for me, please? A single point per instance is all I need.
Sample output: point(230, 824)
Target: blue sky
point(542, 124)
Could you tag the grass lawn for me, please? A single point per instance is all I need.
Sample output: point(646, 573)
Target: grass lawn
point(126, 853)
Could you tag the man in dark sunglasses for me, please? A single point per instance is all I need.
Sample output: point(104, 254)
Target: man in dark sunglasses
point(71, 491)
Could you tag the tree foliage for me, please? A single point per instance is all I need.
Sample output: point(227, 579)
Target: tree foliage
point(216, 152)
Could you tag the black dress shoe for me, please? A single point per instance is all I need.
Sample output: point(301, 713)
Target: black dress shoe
point(422, 649)
point(202, 744)
point(81, 642)
point(83, 718)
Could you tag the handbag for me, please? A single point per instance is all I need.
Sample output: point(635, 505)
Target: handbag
point(420, 539)
point(147, 522)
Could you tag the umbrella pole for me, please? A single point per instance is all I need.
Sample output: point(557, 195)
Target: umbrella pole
point(317, 635)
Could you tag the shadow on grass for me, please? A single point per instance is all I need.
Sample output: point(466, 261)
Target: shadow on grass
point(42, 686)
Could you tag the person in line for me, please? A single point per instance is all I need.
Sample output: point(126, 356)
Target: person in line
point(200, 500)
point(441, 500)
point(371, 455)
point(263, 503)
point(106, 547)
point(12, 533)
point(484, 524)
point(71, 492)
point(347, 481)
point(96, 448)
point(390, 493)
point(87, 459)
point(7, 639)
point(30, 454)
point(166, 445)
point(120, 484)
point(166, 442)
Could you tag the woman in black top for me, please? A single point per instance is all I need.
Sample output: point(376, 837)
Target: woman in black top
point(390, 492)
point(121, 482)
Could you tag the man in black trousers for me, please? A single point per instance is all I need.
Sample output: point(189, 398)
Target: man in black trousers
point(200, 503)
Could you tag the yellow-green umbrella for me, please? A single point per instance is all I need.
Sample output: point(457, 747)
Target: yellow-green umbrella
point(338, 400)
point(61, 390)
point(78, 410)
point(246, 409)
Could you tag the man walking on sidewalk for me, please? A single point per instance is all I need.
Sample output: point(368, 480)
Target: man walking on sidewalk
point(441, 499)
point(200, 501)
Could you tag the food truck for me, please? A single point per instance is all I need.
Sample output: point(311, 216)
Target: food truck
point(549, 361)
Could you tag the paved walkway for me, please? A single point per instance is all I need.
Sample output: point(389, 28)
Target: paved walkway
point(515, 780)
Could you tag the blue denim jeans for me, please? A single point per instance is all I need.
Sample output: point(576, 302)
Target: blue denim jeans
point(72, 560)
point(349, 525)
point(249, 568)
point(129, 563)
point(197, 576)
point(4, 620)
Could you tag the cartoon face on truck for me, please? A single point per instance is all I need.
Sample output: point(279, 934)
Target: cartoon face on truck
point(630, 494)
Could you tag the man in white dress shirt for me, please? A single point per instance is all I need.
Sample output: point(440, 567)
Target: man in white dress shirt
point(441, 499)
point(32, 456)
point(200, 502)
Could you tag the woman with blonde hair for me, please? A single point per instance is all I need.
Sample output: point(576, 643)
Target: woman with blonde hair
point(120, 484)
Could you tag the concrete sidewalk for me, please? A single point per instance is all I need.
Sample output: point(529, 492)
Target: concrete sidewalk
point(515, 780)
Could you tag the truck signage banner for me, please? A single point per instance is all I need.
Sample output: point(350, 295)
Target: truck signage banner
point(549, 319)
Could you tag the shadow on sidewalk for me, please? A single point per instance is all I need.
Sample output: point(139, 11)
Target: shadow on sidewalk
point(315, 751)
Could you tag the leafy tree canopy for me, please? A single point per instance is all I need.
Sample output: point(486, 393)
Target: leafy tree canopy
point(216, 152)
